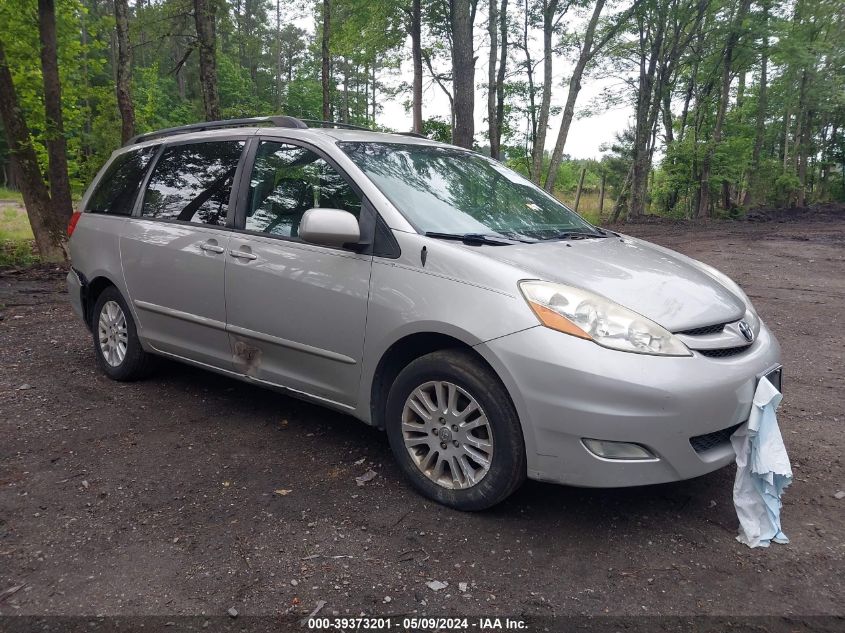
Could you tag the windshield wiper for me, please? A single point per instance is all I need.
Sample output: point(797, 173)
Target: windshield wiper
point(576, 235)
point(471, 238)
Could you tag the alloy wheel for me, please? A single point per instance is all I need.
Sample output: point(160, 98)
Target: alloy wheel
point(447, 434)
point(113, 333)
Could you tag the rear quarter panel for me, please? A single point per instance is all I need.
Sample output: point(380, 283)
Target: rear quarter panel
point(95, 249)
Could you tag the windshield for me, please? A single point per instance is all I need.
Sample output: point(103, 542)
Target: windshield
point(449, 190)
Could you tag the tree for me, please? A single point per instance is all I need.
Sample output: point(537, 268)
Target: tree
point(325, 65)
point(47, 227)
point(780, 138)
point(492, 77)
point(665, 29)
point(462, 17)
point(724, 95)
point(589, 49)
point(551, 20)
point(204, 17)
point(497, 30)
point(124, 70)
point(415, 29)
point(500, 78)
point(55, 138)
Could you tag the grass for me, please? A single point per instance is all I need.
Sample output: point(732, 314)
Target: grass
point(16, 242)
point(588, 206)
point(10, 194)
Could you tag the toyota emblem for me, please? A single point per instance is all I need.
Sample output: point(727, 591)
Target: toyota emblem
point(746, 331)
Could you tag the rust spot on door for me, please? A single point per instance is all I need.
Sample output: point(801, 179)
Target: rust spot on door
point(247, 358)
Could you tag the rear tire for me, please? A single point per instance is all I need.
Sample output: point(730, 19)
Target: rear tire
point(116, 345)
point(455, 432)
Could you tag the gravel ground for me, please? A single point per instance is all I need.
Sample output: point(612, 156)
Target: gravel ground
point(190, 493)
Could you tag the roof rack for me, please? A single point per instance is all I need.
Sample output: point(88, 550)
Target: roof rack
point(277, 121)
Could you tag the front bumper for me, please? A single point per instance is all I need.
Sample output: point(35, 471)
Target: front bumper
point(566, 389)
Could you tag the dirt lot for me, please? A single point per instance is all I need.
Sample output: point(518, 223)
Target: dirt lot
point(170, 496)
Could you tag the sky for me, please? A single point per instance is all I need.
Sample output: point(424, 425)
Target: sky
point(586, 134)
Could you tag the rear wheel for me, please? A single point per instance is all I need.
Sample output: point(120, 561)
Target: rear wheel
point(455, 432)
point(116, 345)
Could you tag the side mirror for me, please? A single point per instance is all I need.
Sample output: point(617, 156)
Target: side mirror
point(329, 227)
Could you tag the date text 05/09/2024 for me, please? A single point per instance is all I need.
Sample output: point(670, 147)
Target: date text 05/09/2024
point(376, 623)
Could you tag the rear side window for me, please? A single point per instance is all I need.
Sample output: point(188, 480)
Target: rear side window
point(192, 183)
point(116, 192)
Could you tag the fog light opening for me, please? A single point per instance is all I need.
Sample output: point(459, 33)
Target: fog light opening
point(617, 450)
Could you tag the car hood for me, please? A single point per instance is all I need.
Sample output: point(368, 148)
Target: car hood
point(667, 287)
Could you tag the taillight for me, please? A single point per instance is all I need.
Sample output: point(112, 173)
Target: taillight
point(74, 219)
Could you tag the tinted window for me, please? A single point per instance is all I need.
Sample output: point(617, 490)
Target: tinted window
point(119, 186)
point(287, 181)
point(192, 182)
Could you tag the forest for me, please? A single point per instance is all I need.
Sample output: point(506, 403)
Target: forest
point(732, 105)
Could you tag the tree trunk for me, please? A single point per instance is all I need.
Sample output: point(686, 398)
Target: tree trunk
point(642, 128)
point(325, 67)
point(204, 16)
point(529, 73)
point(801, 126)
point(601, 194)
point(753, 196)
point(492, 75)
point(47, 227)
point(279, 56)
point(124, 71)
point(500, 79)
point(373, 76)
point(463, 71)
point(580, 187)
point(537, 152)
point(344, 114)
point(416, 55)
point(56, 143)
point(587, 52)
point(622, 196)
point(707, 164)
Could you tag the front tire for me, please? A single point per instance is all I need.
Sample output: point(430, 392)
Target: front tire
point(455, 432)
point(116, 345)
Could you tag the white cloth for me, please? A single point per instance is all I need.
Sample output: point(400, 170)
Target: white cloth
point(762, 471)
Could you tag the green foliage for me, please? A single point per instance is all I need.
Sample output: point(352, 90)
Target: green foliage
point(86, 88)
point(438, 129)
point(267, 66)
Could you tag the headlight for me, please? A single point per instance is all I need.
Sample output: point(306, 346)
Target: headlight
point(592, 317)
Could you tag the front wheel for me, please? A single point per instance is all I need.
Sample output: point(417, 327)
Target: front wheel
point(116, 345)
point(455, 432)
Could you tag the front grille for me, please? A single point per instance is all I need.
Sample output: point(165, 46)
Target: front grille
point(701, 331)
point(723, 352)
point(701, 443)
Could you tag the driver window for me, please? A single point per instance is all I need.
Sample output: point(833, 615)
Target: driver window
point(288, 180)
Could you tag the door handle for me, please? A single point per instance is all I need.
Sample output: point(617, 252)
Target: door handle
point(211, 247)
point(242, 254)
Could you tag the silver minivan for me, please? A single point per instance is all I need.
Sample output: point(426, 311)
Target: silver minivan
point(424, 289)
